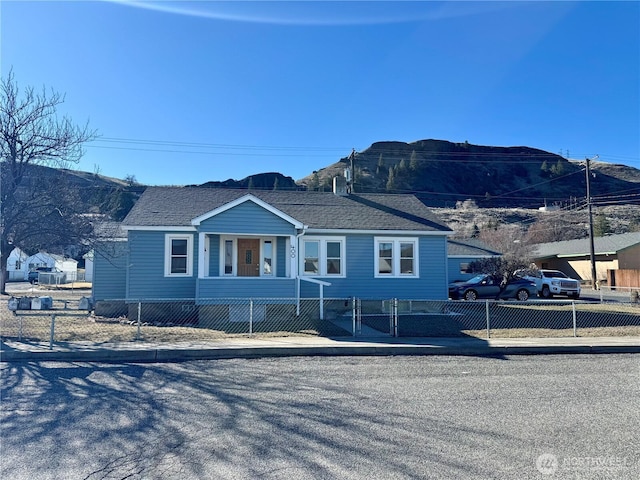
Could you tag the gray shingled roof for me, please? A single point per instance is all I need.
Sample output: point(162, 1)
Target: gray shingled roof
point(109, 231)
point(471, 247)
point(610, 244)
point(177, 206)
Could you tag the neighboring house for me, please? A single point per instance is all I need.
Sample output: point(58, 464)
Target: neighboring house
point(462, 253)
point(211, 244)
point(17, 267)
point(612, 253)
point(58, 263)
point(88, 266)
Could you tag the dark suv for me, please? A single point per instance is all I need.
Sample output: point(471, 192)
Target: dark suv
point(34, 274)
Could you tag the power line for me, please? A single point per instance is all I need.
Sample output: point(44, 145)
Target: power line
point(163, 150)
point(213, 145)
point(505, 157)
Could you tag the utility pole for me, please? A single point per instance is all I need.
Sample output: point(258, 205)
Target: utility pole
point(592, 255)
point(352, 173)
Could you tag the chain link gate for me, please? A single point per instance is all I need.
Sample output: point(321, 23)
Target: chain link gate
point(375, 318)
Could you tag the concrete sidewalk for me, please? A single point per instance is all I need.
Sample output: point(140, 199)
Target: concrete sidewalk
point(15, 351)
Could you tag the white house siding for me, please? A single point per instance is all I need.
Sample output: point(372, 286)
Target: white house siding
point(88, 266)
point(17, 266)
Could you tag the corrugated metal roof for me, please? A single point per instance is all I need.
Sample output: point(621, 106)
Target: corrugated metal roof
point(610, 244)
point(177, 206)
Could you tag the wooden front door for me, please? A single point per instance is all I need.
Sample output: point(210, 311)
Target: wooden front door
point(248, 257)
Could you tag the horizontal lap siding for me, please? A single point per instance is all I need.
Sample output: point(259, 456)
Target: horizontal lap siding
point(214, 255)
point(146, 268)
point(110, 271)
point(433, 268)
point(247, 218)
point(361, 282)
point(282, 257)
point(246, 288)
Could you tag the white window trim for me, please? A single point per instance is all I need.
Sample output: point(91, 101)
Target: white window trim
point(274, 242)
point(234, 255)
point(322, 254)
point(168, 238)
point(395, 268)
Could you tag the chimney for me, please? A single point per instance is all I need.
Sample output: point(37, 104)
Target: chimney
point(340, 186)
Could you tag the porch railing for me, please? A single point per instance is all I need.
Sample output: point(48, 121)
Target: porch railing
point(322, 284)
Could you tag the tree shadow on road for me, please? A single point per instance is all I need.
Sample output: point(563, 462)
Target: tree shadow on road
point(230, 419)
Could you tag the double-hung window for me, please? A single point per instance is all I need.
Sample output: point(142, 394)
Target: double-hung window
point(178, 255)
point(396, 257)
point(323, 256)
point(465, 267)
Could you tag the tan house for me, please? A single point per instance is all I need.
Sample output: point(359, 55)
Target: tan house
point(617, 258)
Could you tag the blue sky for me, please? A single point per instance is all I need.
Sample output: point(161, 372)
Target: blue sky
point(187, 92)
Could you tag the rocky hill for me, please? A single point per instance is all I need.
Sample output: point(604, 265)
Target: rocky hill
point(442, 173)
point(260, 181)
point(539, 226)
point(467, 184)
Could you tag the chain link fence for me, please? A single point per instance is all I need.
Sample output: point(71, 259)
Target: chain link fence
point(62, 316)
point(619, 294)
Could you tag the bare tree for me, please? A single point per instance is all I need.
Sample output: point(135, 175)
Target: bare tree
point(510, 240)
point(554, 228)
point(36, 210)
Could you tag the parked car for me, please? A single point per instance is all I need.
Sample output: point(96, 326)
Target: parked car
point(553, 282)
point(488, 286)
point(35, 274)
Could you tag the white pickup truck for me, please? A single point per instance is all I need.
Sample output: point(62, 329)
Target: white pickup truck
point(554, 282)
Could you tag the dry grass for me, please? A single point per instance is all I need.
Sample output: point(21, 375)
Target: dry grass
point(594, 320)
point(70, 286)
point(626, 331)
point(88, 329)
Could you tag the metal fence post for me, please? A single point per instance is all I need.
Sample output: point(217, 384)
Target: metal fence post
point(395, 317)
point(575, 326)
point(53, 328)
point(250, 316)
point(353, 316)
point(138, 333)
point(486, 310)
point(390, 316)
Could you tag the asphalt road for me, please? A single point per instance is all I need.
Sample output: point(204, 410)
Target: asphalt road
point(535, 417)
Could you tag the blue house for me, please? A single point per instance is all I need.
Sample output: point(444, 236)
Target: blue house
point(462, 253)
point(211, 245)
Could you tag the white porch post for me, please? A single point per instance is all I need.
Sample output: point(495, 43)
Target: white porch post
point(293, 267)
point(293, 255)
point(203, 252)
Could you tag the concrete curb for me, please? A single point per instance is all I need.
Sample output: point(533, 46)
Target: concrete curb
point(168, 353)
